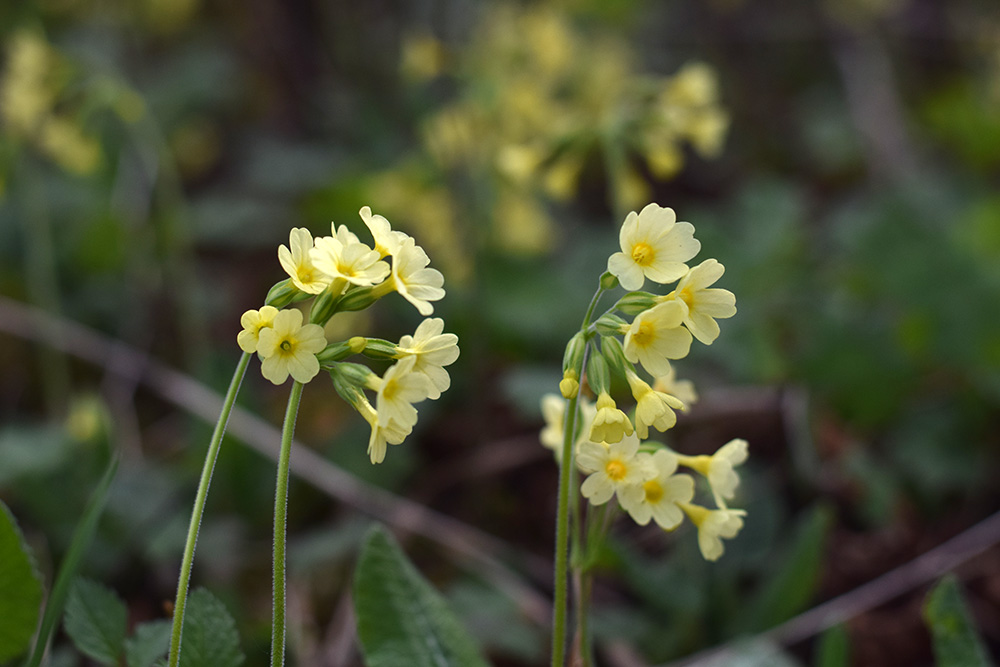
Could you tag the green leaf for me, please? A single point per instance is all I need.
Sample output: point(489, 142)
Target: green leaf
point(794, 582)
point(96, 621)
point(209, 636)
point(956, 642)
point(834, 648)
point(150, 642)
point(20, 589)
point(402, 620)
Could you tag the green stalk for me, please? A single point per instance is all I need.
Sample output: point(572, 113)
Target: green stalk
point(280, 525)
point(559, 610)
point(199, 508)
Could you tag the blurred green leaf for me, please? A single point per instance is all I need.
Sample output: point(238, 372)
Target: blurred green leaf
point(20, 589)
point(834, 648)
point(209, 636)
point(402, 620)
point(150, 642)
point(28, 451)
point(96, 621)
point(484, 609)
point(956, 642)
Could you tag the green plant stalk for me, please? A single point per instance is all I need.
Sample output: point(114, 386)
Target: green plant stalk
point(280, 525)
point(82, 538)
point(559, 610)
point(214, 445)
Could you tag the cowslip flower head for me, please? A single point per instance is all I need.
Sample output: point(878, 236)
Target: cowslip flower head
point(652, 407)
point(662, 494)
point(433, 350)
point(387, 241)
point(713, 526)
point(289, 348)
point(298, 263)
point(616, 469)
point(683, 390)
point(253, 321)
point(554, 414)
point(397, 391)
point(610, 424)
point(719, 469)
point(413, 280)
point(656, 335)
point(345, 258)
point(653, 245)
point(704, 304)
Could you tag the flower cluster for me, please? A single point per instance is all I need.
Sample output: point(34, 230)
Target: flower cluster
point(610, 446)
point(341, 273)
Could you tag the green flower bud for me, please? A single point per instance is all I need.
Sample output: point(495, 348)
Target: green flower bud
point(357, 375)
point(348, 391)
point(612, 350)
point(325, 304)
point(609, 281)
point(598, 373)
point(573, 356)
point(634, 303)
point(338, 351)
point(357, 298)
point(610, 325)
point(376, 348)
point(284, 293)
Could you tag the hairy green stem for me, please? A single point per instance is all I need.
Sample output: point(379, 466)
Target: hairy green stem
point(559, 610)
point(199, 508)
point(280, 525)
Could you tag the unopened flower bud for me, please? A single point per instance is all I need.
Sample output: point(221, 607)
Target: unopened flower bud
point(609, 281)
point(573, 356)
point(284, 293)
point(325, 304)
point(337, 352)
point(357, 298)
point(611, 325)
point(569, 386)
point(376, 348)
point(634, 303)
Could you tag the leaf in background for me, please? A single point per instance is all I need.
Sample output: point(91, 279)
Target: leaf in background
point(956, 642)
point(20, 589)
point(793, 584)
point(150, 642)
point(402, 620)
point(834, 648)
point(209, 637)
point(96, 621)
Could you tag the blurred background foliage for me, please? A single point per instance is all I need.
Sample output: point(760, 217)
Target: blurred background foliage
point(841, 158)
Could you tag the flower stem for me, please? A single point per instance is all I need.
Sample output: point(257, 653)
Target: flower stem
point(199, 508)
point(280, 524)
point(559, 610)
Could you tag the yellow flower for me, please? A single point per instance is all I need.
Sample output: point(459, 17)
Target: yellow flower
point(346, 258)
point(298, 264)
point(704, 304)
point(713, 525)
point(656, 335)
point(719, 469)
point(289, 348)
point(683, 390)
point(397, 391)
point(655, 246)
point(413, 280)
point(652, 407)
point(554, 414)
point(662, 494)
point(253, 321)
point(382, 434)
point(616, 469)
point(387, 241)
point(433, 350)
point(610, 423)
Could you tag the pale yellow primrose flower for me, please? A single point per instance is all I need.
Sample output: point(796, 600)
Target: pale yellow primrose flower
point(413, 280)
point(652, 407)
point(616, 469)
point(253, 321)
point(719, 469)
point(704, 304)
point(655, 246)
point(433, 350)
point(347, 259)
point(397, 391)
point(382, 434)
point(713, 525)
point(656, 335)
point(298, 263)
point(610, 423)
point(289, 348)
point(554, 414)
point(387, 241)
point(662, 494)
point(683, 390)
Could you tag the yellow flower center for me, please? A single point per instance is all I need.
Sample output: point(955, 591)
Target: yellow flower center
point(687, 297)
point(615, 470)
point(390, 390)
point(286, 345)
point(653, 491)
point(643, 254)
point(645, 334)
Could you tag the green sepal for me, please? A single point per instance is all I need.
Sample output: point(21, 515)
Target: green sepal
point(598, 373)
point(337, 351)
point(326, 303)
point(284, 293)
point(608, 281)
point(376, 348)
point(634, 303)
point(357, 298)
point(610, 325)
point(613, 352)
point(573, 355)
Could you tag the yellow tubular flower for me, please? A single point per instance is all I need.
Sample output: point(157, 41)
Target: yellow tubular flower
point(713, 525)
point(387, 241)
point(683, 390)
point(656, 335)
point(253, 321)
point(289, 348)
point(347, 259)
point(298, 264)
point(610, 423)
point(433, 350)
point(413, 280)
point(390, 433)
point(398, 390)
point(662, 494)
point(704, 304)
point(652, 407)
point(719, 469)
point(617, 469)
point(655, 246)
